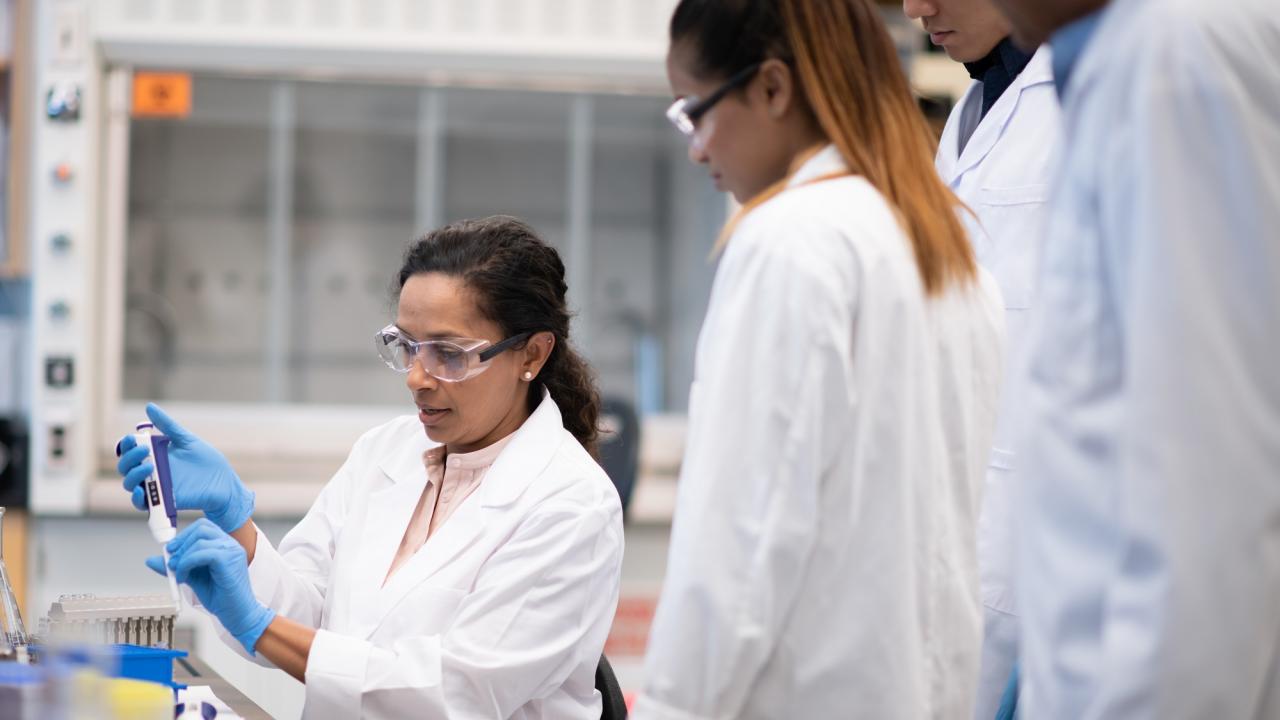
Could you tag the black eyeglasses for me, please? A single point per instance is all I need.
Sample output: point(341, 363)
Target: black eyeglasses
point(684, 113)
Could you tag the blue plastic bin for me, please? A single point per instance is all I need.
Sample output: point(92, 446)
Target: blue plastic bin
point(146, 663)
point(119, 660)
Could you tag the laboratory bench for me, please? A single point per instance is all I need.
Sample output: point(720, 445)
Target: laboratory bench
point(191, 670)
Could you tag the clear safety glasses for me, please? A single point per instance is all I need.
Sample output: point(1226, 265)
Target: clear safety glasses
point(685, 112)
point(449, 360)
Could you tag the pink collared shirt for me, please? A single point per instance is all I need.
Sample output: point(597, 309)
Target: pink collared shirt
point(450, 480)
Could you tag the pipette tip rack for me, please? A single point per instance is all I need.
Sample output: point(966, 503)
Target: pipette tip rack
point(145, 620)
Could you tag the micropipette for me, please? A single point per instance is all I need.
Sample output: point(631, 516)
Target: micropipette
point(162, 514)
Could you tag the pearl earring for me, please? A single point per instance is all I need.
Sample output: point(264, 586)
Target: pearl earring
point(528, 375)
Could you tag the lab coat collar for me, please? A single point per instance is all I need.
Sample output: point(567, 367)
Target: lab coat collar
point(826, 161)
point(545, 425)
point(998, 70)
point(393, 506)
point(407, 466)
point(530, 451)
point(526, 456)
point(1038, 72)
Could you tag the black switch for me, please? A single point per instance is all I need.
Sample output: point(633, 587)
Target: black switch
point(57, 442)
point(59, 372)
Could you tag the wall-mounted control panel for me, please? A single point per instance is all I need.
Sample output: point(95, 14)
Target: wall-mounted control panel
point(63, 233)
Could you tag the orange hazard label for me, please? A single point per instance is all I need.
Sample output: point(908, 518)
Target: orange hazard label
point(161, 94)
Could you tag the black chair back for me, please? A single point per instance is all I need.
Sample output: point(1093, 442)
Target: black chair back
point(620, 445)
point(615, 705)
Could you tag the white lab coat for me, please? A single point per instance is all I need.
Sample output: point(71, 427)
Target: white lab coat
point(1003, 174)
point(1149, 571)
point(822, 553)
point(502, 614)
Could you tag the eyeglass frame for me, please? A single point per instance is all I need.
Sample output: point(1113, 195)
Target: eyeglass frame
point(681, 112)
point(483, 356)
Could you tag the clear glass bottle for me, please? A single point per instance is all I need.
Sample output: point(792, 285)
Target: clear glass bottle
point(11, 622)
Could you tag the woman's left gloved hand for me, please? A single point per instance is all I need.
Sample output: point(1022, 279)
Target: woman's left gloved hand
point(202, 477)
point(215, 567)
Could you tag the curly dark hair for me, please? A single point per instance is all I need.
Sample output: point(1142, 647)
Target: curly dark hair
point(519, 282)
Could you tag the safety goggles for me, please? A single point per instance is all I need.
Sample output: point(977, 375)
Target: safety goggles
point(445, 359)
point(685, 112)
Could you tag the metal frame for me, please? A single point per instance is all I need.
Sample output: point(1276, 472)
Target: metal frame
point(566, 43)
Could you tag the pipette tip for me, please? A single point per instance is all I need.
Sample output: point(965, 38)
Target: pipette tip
point(173, 584)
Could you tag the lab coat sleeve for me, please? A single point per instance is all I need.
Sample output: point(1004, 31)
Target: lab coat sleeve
point(293, 579)
point(1191, 620)
point(541, 607)
point(772, 369)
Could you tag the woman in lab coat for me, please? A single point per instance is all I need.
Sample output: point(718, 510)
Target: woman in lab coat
point(822, 558)
point(470, 570)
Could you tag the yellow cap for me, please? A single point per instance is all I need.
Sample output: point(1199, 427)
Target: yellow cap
point(139, 700)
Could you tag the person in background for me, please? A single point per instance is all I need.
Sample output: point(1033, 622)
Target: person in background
point(465, 560)
point(1149, 542)
point(822, 559)
point(997, 153)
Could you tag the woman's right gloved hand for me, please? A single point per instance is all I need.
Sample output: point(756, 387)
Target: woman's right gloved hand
point(214, 566)
point(202, 477)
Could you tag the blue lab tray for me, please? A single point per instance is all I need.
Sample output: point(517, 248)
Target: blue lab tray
point(146, 663)
point(120, 660)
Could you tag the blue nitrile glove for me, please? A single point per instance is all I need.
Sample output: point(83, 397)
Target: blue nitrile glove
point(202, 477)
point(214, 566)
